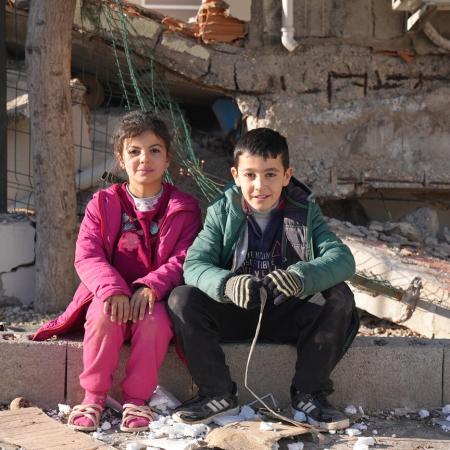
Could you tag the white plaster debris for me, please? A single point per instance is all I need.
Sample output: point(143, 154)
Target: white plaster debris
point(350, 409)
point(332, 431)
point(166, 427)
point(360, 447)
point(360, 426)
point(172, 444)
point(246, 413)
point(375, 432)
point(352, 432)
point(446, 409)
point(135, 446)
point(366, 441)
point(444, 424)
point(63, 410)
point(101, 436)
point(296, 446)
point(423, 413)
point(106, 425)
point(300, 416)
point(447, 418)
point(361, 411)
point(266, 426)
point(163, 401)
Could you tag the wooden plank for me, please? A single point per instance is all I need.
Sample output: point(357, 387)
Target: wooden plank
point(32, 429)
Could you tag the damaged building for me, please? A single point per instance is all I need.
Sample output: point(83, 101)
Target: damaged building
point(359, 88)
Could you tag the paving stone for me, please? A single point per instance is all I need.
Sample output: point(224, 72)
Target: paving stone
point(173, 375)
point(34, 370)
point(382, 373)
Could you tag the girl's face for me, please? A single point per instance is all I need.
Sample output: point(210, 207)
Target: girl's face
point(144, 158)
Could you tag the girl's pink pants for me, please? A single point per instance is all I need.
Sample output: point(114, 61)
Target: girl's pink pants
point(103, 339)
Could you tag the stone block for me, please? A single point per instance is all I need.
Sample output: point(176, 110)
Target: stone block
point(34, 370)
point(446, 374)
point(271, 370)
point(390, 373)
point(173, 375)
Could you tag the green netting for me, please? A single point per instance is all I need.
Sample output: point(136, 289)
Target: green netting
point(144, 87)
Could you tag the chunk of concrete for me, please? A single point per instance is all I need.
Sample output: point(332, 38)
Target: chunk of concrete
point(17, 238)
point(20, 285)
point(34, 370)
point(173, 375)
point(381, 373)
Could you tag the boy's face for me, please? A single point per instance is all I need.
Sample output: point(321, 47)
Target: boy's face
point(144, 158)
point(261, 180)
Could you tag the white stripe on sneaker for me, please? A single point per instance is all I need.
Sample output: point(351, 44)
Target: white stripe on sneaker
point(224, 403)
point(212, 406)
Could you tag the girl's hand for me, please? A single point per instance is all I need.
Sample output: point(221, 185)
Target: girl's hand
point(120, 308)
point(141, 298)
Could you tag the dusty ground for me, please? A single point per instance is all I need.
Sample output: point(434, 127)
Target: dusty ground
point(390, 430)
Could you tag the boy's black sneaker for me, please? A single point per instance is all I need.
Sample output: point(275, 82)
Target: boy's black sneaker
point(204, 409)
point(319, 412)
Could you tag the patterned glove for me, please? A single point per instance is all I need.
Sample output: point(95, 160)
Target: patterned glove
point(282, 285)
point(244, 291)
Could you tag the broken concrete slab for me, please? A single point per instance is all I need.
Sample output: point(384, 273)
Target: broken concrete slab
point(18, 285)
point(390, 373)
point(431, 315)
point(34, 370)
point(17, 237)
point(183, 55)
point(31, 428)
point(173, 375)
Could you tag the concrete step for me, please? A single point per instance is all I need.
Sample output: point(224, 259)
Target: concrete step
point(376, 373)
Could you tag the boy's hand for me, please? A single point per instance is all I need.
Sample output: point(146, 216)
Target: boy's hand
point(244, 291)
point(141, 298)
point(282, 285)
point(118, 306)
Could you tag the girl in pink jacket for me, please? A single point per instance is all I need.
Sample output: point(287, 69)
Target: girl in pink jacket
point(129, 256)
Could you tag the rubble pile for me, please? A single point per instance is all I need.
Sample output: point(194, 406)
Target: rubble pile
point(417, 233)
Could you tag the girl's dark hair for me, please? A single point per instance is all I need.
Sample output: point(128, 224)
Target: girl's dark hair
point(136, 122)
point(263, 142)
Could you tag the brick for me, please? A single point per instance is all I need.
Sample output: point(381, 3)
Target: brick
point(34, 370)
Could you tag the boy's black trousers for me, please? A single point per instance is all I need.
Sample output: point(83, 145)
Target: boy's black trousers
point(322, 327)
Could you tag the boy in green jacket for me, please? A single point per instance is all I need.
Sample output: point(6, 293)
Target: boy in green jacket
point(265, 236)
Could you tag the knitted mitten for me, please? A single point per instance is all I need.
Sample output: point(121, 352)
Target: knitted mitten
point(283, 284)
point(244, 291)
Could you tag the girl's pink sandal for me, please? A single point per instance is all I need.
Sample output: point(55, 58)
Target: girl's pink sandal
point(133, 412)
point(89, 411)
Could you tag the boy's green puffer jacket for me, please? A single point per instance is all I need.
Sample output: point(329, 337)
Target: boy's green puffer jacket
point(309, 248)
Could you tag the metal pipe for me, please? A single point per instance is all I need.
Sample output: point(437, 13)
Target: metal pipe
point(287, 28)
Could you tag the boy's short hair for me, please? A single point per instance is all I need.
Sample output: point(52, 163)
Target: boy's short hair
point(263, 142)
point(136, 122)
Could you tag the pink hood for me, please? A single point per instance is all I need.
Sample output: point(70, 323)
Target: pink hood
point(98, 234)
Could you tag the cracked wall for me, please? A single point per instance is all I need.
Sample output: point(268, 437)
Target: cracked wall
point(17, 258)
